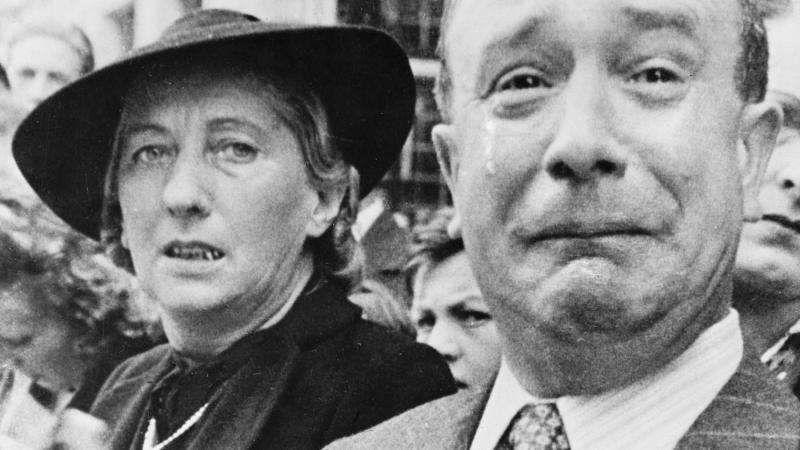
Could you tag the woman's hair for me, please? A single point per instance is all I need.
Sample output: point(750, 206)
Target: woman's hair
point(431, 244)
point(65, 32)
point(336, 253)
point(68, 274)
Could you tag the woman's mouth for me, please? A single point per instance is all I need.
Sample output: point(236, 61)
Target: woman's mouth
point(192, 251)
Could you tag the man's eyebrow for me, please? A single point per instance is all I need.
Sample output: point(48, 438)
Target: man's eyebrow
point(652, 19)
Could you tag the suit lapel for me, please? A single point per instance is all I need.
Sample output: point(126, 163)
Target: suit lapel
point(751, 411)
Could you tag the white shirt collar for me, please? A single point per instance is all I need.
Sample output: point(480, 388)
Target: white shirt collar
point(653, 413)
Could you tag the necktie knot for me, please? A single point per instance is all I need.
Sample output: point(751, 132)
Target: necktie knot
point(535, 427)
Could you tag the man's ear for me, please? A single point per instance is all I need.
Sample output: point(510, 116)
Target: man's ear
point(328, 203)
point(761, 123)
point(443, 136)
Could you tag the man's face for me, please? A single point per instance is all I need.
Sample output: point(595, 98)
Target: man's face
point(768, 262)
point(593, 160)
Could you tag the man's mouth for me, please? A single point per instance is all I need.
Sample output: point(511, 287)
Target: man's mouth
point(783, 221)
point(588, 231)
point(193, 251)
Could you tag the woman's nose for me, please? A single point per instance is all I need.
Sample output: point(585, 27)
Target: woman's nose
point(185, 190)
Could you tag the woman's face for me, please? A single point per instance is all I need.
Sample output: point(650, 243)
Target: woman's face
point(451, 316)
point(40, 343)
point(215, 199)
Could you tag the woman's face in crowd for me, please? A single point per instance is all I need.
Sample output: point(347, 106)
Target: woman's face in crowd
point(451, 316)
point(216, 203)
point(40, 343)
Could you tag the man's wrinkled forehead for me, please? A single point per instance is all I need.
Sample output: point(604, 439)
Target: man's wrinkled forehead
point(473, 26)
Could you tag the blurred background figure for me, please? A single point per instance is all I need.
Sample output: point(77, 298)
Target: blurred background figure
point(45, 55)
point(66, 314)
point(379, 304)
point(384, 240)
point(448, 310)
point(767, 275)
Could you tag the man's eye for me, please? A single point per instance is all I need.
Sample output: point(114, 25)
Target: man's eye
point(655, 75)
point(238, 151)
point(519, 81)
point(148, 153)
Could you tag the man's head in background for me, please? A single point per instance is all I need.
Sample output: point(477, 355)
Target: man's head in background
point(602, 155)
point(45, 56)
point(768, 261)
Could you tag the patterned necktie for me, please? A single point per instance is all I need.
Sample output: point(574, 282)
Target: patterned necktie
point(535, 427)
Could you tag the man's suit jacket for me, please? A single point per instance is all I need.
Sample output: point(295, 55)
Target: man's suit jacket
point(752, 411)
point(320, 374)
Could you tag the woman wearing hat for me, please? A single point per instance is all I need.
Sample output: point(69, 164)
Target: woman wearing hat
point(226, 161)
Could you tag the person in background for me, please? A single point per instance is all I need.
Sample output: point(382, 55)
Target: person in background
point(222, 165)
point(602, 156)
point(380, 305)
point(44, 56)
point(448, 310)
point(767, 275)
point(66, 312)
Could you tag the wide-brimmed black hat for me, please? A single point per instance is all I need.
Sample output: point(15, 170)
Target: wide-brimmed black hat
point(361, 75)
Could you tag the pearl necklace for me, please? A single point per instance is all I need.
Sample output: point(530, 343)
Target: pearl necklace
point(150, 434)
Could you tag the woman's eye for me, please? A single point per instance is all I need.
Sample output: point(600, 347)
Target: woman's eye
point(238, 151)
point(474, 318)
point(655, 75)
point(148, 153)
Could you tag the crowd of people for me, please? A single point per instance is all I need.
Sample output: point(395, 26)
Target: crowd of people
point(194, 251)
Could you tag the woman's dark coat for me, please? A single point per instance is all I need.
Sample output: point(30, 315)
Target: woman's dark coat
point(320, 374)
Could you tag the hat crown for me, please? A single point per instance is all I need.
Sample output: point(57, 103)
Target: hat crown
point(205, 24)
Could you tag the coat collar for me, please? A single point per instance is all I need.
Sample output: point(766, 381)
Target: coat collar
point(321, 310)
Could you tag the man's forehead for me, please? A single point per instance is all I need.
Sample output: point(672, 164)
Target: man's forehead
point(784, 47)
point(487, 21)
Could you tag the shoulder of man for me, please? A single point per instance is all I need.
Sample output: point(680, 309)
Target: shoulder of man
point(753, 410)
point(446, 423)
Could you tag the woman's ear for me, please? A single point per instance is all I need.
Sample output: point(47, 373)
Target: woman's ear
point(329, 202)
point(761, 123)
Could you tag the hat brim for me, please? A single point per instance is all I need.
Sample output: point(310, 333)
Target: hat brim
point(63, 148)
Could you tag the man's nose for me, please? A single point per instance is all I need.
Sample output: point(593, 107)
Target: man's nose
point(583, 147)
point(185, 193)
point(442, 338)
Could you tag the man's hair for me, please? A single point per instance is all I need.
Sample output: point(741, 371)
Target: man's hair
point(336, 253)
point(431, 245)
point(65, 32)
point(750, 73)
